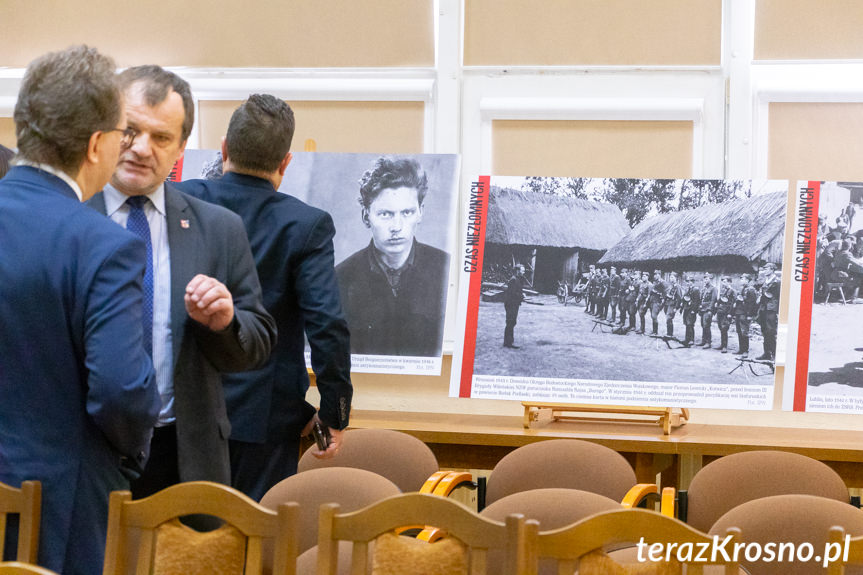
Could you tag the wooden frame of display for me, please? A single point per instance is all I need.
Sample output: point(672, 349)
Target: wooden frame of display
point(666, 417)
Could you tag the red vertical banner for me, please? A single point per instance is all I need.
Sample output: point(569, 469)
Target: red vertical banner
point(474, 247)
point(176, 174)
point(806, 248)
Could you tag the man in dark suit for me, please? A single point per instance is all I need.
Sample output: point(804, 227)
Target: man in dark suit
point(207, 314)
point(512, 298)
point(78, 397)
point(768, 310)
point(293, 247)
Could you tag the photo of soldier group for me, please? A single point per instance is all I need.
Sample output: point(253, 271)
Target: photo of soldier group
point(832, 356)
point(632, 280)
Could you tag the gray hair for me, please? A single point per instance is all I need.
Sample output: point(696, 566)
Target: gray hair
point(65, 98)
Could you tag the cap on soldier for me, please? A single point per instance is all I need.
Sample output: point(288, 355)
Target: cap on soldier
point(770, 266)
point(658, 272)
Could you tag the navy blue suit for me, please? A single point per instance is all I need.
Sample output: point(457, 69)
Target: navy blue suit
point(77, 390)
point(292, 243)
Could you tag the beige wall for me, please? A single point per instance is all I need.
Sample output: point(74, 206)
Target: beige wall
point(372, 127)
point(592, 32)
point(808, 29)
point(815, 141)
point(257, 33)
point(7, 132)
point(639, 149)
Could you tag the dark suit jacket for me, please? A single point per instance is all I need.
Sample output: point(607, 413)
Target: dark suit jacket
point(385, 324)
point(210, 240)
point(77, 390)
point(293, 247)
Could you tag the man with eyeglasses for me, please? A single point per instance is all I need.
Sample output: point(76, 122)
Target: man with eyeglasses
point(78, 396)
point(205, 316)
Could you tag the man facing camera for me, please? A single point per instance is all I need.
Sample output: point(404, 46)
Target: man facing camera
point(203, 311)
point(394, 290)
point(293, 248)
point(78, 397)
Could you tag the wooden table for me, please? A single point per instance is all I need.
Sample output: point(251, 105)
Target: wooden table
point(479, 441)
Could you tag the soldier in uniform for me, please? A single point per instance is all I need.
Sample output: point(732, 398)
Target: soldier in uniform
point(589, 289)
point(673, 302)
point(745, 308)
point(602, 298)
point(709, 295)
point(631, 300)
point(656, 299)
point(724, 309)
point(691, 304)
point(512, 298)
point(613, 292)
point(768, 311)
point(621, 295)
point(643, 295)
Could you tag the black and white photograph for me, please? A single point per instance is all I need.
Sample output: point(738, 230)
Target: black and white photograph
point(827, 372)
point(629, 291)
point(395, 223)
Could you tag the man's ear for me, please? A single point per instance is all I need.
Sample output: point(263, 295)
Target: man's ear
point(94, 146)
point(365, 217)
point(224, 149)
point(283, 165)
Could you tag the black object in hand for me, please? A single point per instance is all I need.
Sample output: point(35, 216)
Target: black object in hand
point(322, 435)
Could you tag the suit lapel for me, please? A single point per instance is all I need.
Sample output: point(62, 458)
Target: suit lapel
point(184, 243)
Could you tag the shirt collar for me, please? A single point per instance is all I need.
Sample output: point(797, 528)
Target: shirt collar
point(114, 199)
point(54, 172)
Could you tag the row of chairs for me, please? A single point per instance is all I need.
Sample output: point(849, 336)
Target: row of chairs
point(144, 537)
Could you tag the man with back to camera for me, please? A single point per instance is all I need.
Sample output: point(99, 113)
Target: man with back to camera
point(206, 312)
point(293, 247)
point(394, 290)
point(78, 396)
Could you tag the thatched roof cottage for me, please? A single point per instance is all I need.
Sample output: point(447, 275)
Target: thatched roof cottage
point(732, 237)
point(556, 235)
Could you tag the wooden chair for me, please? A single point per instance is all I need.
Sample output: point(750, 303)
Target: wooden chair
point(477, 534)
point(147, 519)
point(568, 464)
point(847, 562)
point(401, 458)
point(19, 568)
point(792, 520)
point(351, 488)
point(735, 479)
point(583, 544)
point(26, 502)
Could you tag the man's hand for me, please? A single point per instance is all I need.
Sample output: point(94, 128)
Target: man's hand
point(336, 437)
point(209, 302)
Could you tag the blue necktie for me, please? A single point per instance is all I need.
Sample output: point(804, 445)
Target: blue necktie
point(138, 225)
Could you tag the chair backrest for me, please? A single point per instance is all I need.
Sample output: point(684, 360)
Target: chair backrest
point(849, 551)
point(552, 508)
point(798, 522)
point(19, 568)
point(566, 463)
point(134, 526)
point(582, 544)
point(463, 526)
point(26, 502)
point(401, 458)
point(735, 479)
point(351, 488)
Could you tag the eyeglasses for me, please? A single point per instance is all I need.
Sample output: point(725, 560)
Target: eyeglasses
point(128, 135)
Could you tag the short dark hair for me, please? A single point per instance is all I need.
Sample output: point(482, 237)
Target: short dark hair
point(393, 173)
point(260, 133)
point(5, 157)
point(64, 99)
point(158, 83)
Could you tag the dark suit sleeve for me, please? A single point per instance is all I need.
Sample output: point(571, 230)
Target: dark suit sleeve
point(122, 397)
point(247, 342)
point(317, 291)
